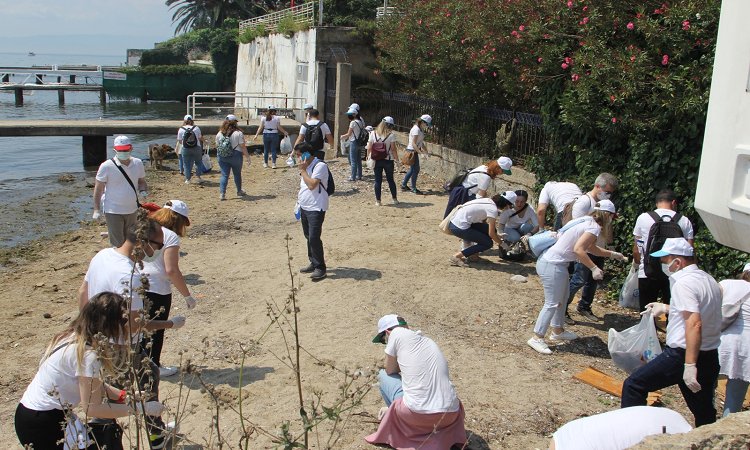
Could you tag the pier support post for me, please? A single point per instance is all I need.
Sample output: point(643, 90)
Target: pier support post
point(6, 78)
point(72, 79)
point(102, 96)
point(343, 99)
point(39, 78)
point(94, 150)
point(61, 96)
point(19, 96)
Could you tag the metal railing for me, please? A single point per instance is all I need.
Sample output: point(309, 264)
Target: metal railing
point(385, 11)
point(472, 131)
point(302, 14)
point(245, 105)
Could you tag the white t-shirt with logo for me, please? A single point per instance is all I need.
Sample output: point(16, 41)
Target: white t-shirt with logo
point(196, 131)
point(477, 181)
point(119, 197)
point(424, 372)
point(316, 199)
point(643, 227)
point(562, 250)
point(693, 290)
point(527, 216)
point(559, 194)
point(158, 280)
point(56, 382)
point(475, 211)
point(389, 139)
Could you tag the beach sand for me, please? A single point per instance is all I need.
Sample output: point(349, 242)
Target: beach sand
point(380, 260)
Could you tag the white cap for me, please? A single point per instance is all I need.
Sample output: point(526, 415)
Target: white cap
point(122, 143)
point(605, 205)
point(675, 246)
point(271, 108)
point(505, 163)
point(308, 106)
point(369, 128)
point(187, 117)
point(352, 112)
point(746, 268)
point(510, 196)
point(386, 322)
point(231, 117)
point(389, 120)
point(354, 106)
point(179, 207)
point(426, 118)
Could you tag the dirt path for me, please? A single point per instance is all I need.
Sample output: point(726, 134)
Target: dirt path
point(381, 260)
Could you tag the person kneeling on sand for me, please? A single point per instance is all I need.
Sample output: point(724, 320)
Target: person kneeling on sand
point(423, 409)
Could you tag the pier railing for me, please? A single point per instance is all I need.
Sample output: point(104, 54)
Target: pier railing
point(245, 105)
point(302, 14)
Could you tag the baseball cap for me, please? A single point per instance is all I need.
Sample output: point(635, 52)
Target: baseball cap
point(122, 143)
point(354, 106)
point(187, 117)
point(510, 196)
point(505, 163)
point(307, 106)
point(271, 108)
point(232, 117)
point(426, 118)
point(368, 128)
point(605, 205)
point(389, 120)
point(352, 111)
point(386, 322)
point(746, 268)
point(674, 246)
point(179, 207)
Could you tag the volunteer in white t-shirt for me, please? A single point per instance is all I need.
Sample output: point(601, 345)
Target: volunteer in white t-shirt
point(735, 340)
point(313, 121)
point(558, 194)
point(573, 244)
point(477, 182)
point(690, 358)
point(70, 374)
point(384, 133)
point(113, 192)
point(190, 156)
point(520, 220)
point(416, 144)
point(655, 287)
point(475, 221)
point(357, 130)
point(312, 201)
point(232, 163)
point(270, 126)
point(423, 410)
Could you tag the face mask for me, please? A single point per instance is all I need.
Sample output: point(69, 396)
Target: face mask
point(666, 268)
point(123, 156)
point(604, 196)
point(152, 258)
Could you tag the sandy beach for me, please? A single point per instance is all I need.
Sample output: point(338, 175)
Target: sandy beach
point(388, 259)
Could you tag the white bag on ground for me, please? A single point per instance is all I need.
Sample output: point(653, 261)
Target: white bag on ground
point(286, 146)
point(206, 160)
point(629, 291)
point(634, 347)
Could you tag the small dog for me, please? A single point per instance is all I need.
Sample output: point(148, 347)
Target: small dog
point(157, 153)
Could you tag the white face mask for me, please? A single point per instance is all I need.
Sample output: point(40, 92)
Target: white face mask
point(667, 268)
point(603, 196)
point(152, 258)
point(123, 156)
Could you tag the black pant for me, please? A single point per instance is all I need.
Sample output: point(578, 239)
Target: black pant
point(583, 278)
point(40, 429)
point(649, 290)
point(387, 166)
point(312, 227)
point(158, 301)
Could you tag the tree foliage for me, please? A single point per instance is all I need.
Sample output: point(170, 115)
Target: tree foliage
point(622, 84)
point(197, 14)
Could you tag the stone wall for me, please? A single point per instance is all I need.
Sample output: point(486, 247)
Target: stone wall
point(732, 432)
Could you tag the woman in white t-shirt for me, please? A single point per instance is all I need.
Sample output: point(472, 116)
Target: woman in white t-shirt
point(519, 221)
point(474, 222)
point(734, 351)
point(475, 185)
point(384, 133)
point(71, 372)
point(356, 130)
point(232, 163)
point(552, 267)
point(416, 144)
point(163, 271)
point(270, 126)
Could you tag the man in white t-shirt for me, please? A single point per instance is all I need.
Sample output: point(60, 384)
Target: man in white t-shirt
point(690, 358)
point(118, 182)
point(312, 200)
point(317, 148)
point(655, 286)
point(558, 194)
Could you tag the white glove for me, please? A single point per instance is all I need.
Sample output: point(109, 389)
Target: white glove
point(177, 322)
point(144, 194)
point(690, 377)
point(618, 257)
point(597, 273)
point(97, 215)
point(152, 408)
point(190, 302)
point(657, 309)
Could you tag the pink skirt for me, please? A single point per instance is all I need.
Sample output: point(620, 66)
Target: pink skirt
point(406, 430)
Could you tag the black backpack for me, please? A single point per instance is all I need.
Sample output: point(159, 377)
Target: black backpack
point(460, 177)
point(189, 139)
point(314, 136)
point(657, 234)
point(330, 185)
point(364, 136)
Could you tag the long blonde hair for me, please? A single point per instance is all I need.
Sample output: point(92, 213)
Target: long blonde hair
point(604, 219)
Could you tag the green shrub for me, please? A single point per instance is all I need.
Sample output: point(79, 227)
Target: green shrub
point(168, 70)
point(164, 55)
point(249, 34)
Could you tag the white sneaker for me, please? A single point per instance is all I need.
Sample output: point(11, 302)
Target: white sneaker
point(539, 345)
point(564, 336)
point(273, 166)
point(222, 196)
point(187, 181)
point(167, 371)
point(377, 202)
point(265, 165)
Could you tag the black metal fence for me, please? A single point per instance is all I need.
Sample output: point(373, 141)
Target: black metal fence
point(470, 131)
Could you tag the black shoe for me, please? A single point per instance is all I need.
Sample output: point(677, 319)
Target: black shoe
point(404, 188)
point(417, 191)
point(569, 320)
point(307, 269)
point(318, 274)
point(589, 315)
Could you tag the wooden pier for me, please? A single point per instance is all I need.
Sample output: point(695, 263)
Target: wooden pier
point(95, 132)
point(64, 78)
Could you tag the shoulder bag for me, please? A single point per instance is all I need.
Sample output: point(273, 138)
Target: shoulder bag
point(130, 182)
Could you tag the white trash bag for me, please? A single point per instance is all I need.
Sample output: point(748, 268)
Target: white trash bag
point(291, 162)
point(286, 146)
point(344, 143)
point(634, 347)
point(206, 160)
point(629, 292)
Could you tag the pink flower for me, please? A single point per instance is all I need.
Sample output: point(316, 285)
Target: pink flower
point(481, 70)
point(658, 11)
point(521, 28)
point(564, 66)
point(539, 59)
point(665, 60)
point(585, 20)
point(630, 26)
point(463, 41)
point(419, 22)
point(447, 14)
point(568, 60)
point(516, 60)
point(437, 33)
point(632, 58)
point(614, 120)
point(570, 4)
point(585, 8)
point(494, 74)
point(612, 98)
point(546, 36)
point(574, 77)
point(685, 25)
point(514, 33)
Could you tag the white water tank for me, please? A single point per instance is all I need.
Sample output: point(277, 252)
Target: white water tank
point(723, 193)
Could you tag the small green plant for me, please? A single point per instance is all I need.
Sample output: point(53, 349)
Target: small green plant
point(249, 34)
point(287, 26)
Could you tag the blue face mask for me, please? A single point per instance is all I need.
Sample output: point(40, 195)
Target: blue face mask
point(305, 156)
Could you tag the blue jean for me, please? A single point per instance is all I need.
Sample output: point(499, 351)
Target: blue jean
point(271, 142)
point(232, 164)
point(386, 165)
point(582, 277)
point(192, 157)
point(182, 162)
point(412, 173)
point(736, 391)
point(666, 370)
point(312, 228)
point(479, 233)
point(355, 160)
point(514, 234)
point(390, 387)
point(554, 278)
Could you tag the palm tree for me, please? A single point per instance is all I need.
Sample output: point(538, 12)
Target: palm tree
point(193, 14)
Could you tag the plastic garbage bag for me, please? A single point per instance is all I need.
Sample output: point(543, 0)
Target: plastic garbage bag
point(207, 165)
point(345, 143)
point(634, 347)
point(629, 291)
point(286, 146)
point(291, 162)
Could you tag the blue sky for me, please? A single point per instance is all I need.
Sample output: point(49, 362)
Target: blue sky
point(83, 26)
